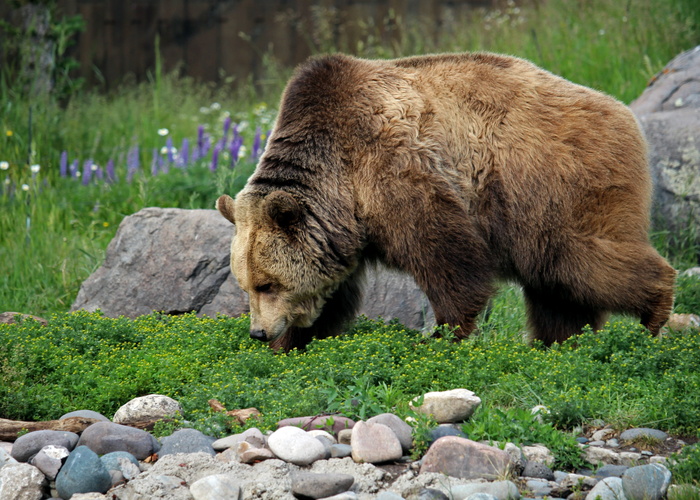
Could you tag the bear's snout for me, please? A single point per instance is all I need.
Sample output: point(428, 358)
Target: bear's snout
point(258, 335)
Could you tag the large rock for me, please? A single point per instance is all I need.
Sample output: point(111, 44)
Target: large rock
point(466, 459)
point(669, 112)
point(175, 261)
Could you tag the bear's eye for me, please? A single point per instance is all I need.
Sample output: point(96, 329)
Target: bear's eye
point(263, 288)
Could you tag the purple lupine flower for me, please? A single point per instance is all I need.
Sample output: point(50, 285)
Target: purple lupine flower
point(200, 142)
point(74, 168)
point(64, 164)
point(182, 159)
point(215, 157)
point(155, 162)
point(235, 148)
point(97, 171)
point(132, 163)
point(227, 126)
point(257, 142)
point(109, 168)
point(170, 149)
point(87, 172)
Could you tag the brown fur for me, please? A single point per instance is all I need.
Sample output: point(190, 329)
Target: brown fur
point(460, 170)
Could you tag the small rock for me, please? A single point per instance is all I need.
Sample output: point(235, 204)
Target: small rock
point(389, 495)
point(609, 470)
point(345, 436)
point(609, 488)
point(420, 493)
point(582, 440)
point(318, 433)
point(538, 470)
point(646, 482)
point(106, 437)
point(308, 484)
point(612, 443)
point(445, 430)
point(456, 405)
point(517, 458)
point(122, 462)
point(501, 490)
point(294, 445)
point(481, 496)
point(50, 459)
point(186, 441)
point(603, 434)
point(253, 455)
point(466, 459)
point(6, 458)
point(341, 450)
point(21, 481)
point(151, 407)
point(538, 453)
point(539, 488)
point(347, 495)
point(12, 317)
point(402, 430)
point(596, 456)
point(252, 436)
point(329, 423)
point(630, 458)
point(643, 433)
point(693, 271)
point(374, 443)
point(85, 414)
point(216, 487)
point(679, 322)
point(83, 472)
point(29, 444)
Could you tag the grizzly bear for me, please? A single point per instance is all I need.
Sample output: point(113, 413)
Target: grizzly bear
point(461, 170)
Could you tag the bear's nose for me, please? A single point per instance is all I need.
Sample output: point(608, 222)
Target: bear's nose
point(258, 334)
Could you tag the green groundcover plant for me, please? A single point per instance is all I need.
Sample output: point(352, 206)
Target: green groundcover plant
point(86, 361)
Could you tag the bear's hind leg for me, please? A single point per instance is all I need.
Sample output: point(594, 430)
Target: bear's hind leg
point(597, 274)
point(552, 318)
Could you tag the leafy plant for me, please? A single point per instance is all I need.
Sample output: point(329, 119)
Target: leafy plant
point(521, 427)
point(685, 465)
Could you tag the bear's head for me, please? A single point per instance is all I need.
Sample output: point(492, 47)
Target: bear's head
point(279, 256)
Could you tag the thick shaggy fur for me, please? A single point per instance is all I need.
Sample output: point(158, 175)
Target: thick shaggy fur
point(460, 170)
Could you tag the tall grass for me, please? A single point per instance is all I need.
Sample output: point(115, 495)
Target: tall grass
point(53, 230)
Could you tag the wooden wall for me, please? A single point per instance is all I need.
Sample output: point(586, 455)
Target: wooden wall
point(208, 38)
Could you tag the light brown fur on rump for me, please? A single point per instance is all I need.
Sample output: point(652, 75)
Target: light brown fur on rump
point(461, 170)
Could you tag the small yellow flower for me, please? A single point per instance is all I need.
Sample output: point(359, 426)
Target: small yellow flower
point(105, 224)
point(9, 133)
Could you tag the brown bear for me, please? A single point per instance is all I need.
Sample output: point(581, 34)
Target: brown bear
point(461, 170)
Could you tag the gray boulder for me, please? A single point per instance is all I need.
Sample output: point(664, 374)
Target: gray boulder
point(175, 261)
point(186, 441)
point(106, 437)
point(31, 443)
point(83, 472)
point(669, 112)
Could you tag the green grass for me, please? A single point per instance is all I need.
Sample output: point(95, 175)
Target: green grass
point(85, 361)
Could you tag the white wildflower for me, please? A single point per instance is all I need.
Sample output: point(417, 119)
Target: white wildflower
point(163, 132)
point(25, 187)
point(242, 152)
point(35, 169)
point(4, 165)
point(215, 106)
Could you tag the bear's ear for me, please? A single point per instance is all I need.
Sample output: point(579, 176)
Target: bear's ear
point(282, 208)
point(225, 206)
